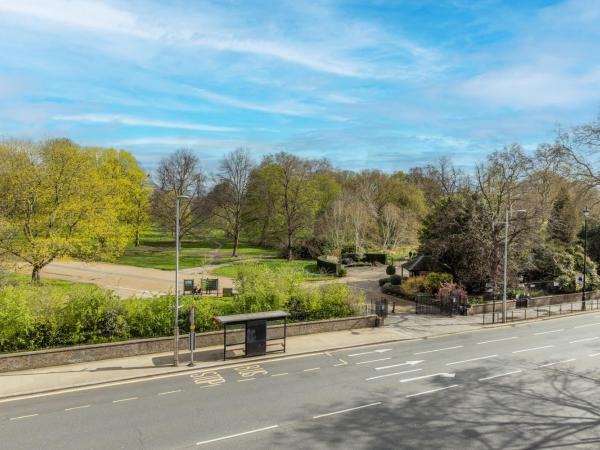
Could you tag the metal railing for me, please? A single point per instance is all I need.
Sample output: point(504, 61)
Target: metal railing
point(535, 312)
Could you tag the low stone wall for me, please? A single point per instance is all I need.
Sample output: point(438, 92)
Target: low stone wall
point(83, 353)
point(488, 307)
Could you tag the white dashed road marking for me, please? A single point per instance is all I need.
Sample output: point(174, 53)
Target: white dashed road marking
point(472, 359)
point(584, 340)
point(210, 441)
point(558, 362)
point(438, 350)
point(501, 375)
point(23, 417)
point(77, 407)
point(392, 374)
point(432, 391)
point(347, 410)
point(548, 332)
point(532, 349)
point(498, 340)
point(125, 400)
point(373, 360)
point(170, 392)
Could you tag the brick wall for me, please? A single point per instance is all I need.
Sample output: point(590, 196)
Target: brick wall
point(77, 354)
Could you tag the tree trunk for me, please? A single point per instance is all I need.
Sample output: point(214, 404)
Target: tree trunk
point(35, 274)
point(236, 243)
point(290, 254)
point(137, 238)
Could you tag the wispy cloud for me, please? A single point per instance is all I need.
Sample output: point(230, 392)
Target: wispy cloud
point(139, 122)
point(289, 108)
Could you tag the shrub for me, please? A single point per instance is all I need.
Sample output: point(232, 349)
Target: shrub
point(434, 280)
point(413, 286)
point(342, 272)
point(390, 270)
point(382, 281)
point(396, 280)
point(34, 317)
point(451, 289)
point(391, 289)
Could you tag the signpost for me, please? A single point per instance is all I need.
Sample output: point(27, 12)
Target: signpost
point(192, 340)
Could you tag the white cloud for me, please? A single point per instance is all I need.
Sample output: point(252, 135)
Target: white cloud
point(289, 108)
point(533, 86)
point(94, 15)
point(134, 121)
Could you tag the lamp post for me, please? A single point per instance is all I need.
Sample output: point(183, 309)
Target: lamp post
point(176, 325)
point(586, 213)
point(508, 213)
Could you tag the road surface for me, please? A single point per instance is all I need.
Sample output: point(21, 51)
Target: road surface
point(529, 386)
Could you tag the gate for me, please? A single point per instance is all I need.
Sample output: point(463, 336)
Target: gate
point(445, 306)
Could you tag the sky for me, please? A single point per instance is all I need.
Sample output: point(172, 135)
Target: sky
point(368, 84)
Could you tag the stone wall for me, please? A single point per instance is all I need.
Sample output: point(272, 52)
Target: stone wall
point(78, 354)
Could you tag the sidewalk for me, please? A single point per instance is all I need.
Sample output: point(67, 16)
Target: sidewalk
point(398, 327)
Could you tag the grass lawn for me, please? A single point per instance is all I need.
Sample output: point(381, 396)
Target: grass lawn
point(308, 269)
point(157, 251)
point(56, 285)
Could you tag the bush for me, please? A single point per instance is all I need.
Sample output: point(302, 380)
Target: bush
point(390, 270)
point(413, 286)
point(396, 280)
point(342, 273)
point(38, 316)
point(391, 289)
point(434, 280)
point(382, 281)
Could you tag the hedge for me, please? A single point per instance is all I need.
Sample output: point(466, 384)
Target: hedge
point(34, 317)
point(328, 266)
point(376, 257)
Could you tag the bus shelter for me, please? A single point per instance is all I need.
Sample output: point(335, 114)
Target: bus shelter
point(255, 339)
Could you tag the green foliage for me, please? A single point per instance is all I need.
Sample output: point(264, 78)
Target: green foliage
point(413, 286)
point(343, 272)
point(59, 199)
point(306, 269)
point(562, 223)
point(383, 281)
point(34, 316)
point(561, 264)
point(396, 280)
point(392, 289)
point(435, 280)
point(390, 270)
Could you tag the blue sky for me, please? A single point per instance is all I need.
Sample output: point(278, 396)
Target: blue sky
point(367, 84)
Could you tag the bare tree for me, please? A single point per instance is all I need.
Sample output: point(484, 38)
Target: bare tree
point(179, 174)
point(228, 198)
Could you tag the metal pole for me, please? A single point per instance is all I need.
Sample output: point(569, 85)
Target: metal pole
point(585, 213)
point(176, 324)
point(505, 266)
point(192, 335)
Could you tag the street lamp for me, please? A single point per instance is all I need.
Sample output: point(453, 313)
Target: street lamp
point(586, 213)
point(176, 327)
point(508, 212)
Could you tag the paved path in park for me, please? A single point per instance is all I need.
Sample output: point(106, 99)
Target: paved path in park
point(127, 281)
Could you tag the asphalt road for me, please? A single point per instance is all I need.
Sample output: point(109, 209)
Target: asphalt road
point(527, 386)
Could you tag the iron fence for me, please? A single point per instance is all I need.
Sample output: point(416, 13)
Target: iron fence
point(535, 312)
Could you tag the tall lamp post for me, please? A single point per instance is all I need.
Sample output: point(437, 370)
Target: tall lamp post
point(508, 213)
point(176, 325)
point(586, 213)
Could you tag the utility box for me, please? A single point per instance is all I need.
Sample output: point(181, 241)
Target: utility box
point(256, 337)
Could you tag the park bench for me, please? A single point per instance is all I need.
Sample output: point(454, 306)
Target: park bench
point(209, 285)
point(189, 288)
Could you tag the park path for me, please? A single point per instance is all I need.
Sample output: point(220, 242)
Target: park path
point(126, 281)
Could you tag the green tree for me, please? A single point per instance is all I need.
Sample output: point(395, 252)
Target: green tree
point(562, 223)
point(55, 203)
